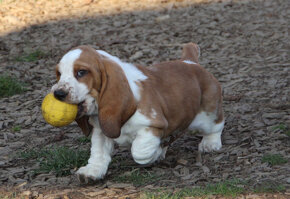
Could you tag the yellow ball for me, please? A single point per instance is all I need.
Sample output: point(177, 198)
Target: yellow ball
point(58, 113)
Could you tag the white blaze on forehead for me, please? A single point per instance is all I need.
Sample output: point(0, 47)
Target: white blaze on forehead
point(77, 90)
point(132, 73)
point(189, 62)
point(67, 61)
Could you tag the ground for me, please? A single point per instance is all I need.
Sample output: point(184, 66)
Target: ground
point(245, 44)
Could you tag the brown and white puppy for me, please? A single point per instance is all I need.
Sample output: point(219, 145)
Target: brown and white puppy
point(138, 106)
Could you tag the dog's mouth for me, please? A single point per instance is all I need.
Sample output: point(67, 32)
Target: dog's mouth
point(81, 110)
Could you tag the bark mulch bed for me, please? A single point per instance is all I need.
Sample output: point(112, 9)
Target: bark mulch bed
point(245, 44)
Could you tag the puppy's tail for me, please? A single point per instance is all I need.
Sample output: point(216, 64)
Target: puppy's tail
point(191, 52)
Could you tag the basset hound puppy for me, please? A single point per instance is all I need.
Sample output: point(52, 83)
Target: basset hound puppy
point(138, 106)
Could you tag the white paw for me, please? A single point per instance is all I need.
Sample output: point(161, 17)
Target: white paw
point(210, 143)
point(90, 173)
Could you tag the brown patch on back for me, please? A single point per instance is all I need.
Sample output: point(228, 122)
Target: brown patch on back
point(178, 92)
point(172, 90)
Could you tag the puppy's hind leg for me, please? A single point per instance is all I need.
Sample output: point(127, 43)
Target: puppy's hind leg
point(211, 141)
point(211, 131)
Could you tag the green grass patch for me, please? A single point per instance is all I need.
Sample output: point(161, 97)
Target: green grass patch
point(120, 163)
point(227, 188)
point(137, 177)
point(16, 128)
point(84, 139)
point(274, 159)
point(59, 160)
point(31, 57)
point(284, 128)
point(10, 86)
point(8, 195)
point(270, 188)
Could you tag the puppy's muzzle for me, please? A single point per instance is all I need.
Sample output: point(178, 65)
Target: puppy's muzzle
point(60, 94)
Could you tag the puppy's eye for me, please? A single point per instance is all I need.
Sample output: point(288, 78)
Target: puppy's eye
point(81, 73)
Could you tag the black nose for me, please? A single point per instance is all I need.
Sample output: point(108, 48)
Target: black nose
point(60, 94)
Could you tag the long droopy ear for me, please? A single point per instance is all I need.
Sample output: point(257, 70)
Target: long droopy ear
point(191, 51)
point(83, 123)
point(116, 101)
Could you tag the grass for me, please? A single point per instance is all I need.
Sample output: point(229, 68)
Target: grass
point(60, 160)
point(270, 188)
point(31, 57)
point(10, 86)
point(230, 188)
point(137, 177)
point(120, 163)
point(284, 128)
point(84, 139)
point(227, 188)
point(16, 128)
point(10, 195)
point(274, 159)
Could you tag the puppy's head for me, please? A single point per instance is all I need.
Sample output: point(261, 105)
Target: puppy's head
point(83, 72)
point(77, 73)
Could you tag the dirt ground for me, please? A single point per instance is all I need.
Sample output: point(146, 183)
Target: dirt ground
point(245, 44)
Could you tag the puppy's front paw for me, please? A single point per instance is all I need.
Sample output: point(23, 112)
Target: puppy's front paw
point(90, 173)
point(210, 143)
